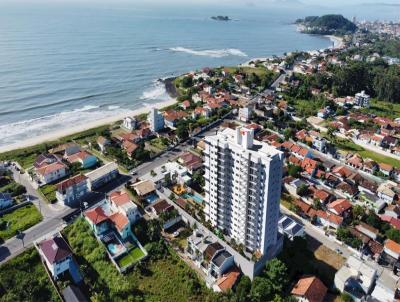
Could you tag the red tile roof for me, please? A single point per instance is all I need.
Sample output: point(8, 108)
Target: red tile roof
point(71, 182)
point(393, 246)
point(120, 198)
point(310, 288)
point(96, 215)
point(340, 206)
point(51, 168)
point(228, 280)
point(119, 220)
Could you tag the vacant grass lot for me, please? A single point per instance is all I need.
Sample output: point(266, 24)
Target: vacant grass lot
point(384, 109)
point(49, 193)
point(18, 220)
point(347, 145)
point(24, 279)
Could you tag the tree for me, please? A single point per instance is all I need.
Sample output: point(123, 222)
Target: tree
point(276, 273)
point(294, 170)
point(261, 290)
point(243, 289)
point(187, 82)
point(302, 190)
point(182, 131)
point(288, 133)
point(393, 234)
point(358, 212)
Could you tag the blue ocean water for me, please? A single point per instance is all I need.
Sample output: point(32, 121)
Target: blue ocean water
point(69, 64)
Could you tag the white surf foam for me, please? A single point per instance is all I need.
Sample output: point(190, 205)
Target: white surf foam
point(155, 93)
point(214, 53)
point(113, 107)
point(15, 132)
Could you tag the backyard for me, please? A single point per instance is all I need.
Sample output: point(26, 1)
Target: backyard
point(133, 256)
point(384, 109)
point(24, 279)
point(18, 220)
point(158, 280)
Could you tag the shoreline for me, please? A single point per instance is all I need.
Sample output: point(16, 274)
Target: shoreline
point(52, 136)
point(337, 41)
point(170, 89)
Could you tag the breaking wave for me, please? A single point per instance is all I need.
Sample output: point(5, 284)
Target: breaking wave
point(213, 53)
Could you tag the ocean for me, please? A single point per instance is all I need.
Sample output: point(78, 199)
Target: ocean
point(64, 65)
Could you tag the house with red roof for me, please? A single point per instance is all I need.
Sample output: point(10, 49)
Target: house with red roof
point(340, 207)
point(112, 215)
point(191, 161)
point(185, 105)
point(329, 219)
point(71, 191)
point(309, 289)
point(84, 158)
point(56, 254)
point(51, 172)
point(172, 116)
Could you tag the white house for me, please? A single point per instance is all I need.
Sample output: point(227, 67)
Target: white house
point(72, 190)
point(56, 254)
point(52, 172)
point(245, 114)
point(121, 202)
point(356, 277)
point(130, 123)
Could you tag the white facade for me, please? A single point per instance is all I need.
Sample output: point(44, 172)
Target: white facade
point(362, 99)
point(245, 114)
point(156, 120)
point(243, 187)
point(129, 123)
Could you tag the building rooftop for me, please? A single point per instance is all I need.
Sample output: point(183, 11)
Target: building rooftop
point(55, 249)
point(221, 257)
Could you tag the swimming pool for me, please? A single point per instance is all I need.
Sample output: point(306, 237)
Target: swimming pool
point(196, 198)
point(115, 249)
point(152, 198)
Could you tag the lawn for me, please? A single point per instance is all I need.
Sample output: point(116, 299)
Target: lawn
point(384, 109)
point(49, 193)
point(159, 143)
point(25, 279)
point(133, 256)
point(18, 220)
point(347, 145)
point(260, 71)
point(157, 280)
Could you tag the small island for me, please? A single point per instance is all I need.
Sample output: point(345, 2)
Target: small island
point(326, 25)
point(221, 18)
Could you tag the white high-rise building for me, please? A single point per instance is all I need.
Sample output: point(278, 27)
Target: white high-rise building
point(243, 188)
point(156, 120)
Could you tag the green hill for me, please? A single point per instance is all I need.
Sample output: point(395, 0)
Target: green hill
point(327, 25)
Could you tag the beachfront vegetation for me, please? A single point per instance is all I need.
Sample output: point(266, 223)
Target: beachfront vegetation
point(18, 220)
point(26, 156)
point(24, 279)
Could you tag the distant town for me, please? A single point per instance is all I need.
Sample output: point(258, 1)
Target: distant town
point(274, 180)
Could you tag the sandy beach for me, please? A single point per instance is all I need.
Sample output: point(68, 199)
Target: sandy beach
point(337, 41)
point(51, 136)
